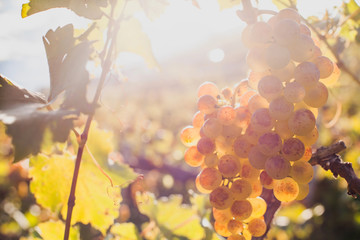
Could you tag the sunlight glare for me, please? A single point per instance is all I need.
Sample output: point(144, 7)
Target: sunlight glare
point(216, 55)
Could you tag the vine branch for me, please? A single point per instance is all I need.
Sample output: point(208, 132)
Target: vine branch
point(113, 28)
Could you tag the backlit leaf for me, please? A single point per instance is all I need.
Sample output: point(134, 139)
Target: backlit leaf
point(224, 4)
point(55, 230)
point(26, 120)
point(280, 4)
point(57, 170)
point(125, 231)
point(131, 38)
point(183, 222)
point(90, 9)
point(67, 61)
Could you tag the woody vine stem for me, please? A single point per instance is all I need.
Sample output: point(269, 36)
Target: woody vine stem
point(107, 54)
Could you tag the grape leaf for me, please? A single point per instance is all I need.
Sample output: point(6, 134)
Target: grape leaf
point(67, 61)
point(153, 8)
point(224, 4)
point(126, 231)
point(131, 38)
point(183, 222)
point(93, 204)
point(90, 8)
point(280, 4)
point(26, 121)
point(55, 230)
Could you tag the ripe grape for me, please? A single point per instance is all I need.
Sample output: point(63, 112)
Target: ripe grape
point(224, 145)
point(212, 128)
point(286, 32)
point(236, 237)
point(207, 104)
point(302, 49)
point(221, 228)
point(288, 13)
point(307, 74)
point(270, 87)
point(280, 108)
point(302, 172)
point(256, 189)
point(256, 60)
point(256, 102)
point(254, 78)
point(310, 138)
point(243, 117)
point(210, 178)
point(235, 226)
point(221, 198)
point(241, 189)
point(277, 167)
point(256, 158)
point(259, 207)
point(317, 96)
point(261, 120)
point(222, 216)
point(208, 88)
point(240, 88)
point(229, 165)
point(293, 149)
point(248, 172)
point(303, 191)
point(269, 144)
point(282, 128)
point(189, 136)
point(211, 160)
point(193, 158)
point(302, 122)
point(244, 100)
point(294, 92)
point(227, 93)
point(257, 227)
point(252, 134)
point(277, 56)
point(241, 209)
point(260, 34)
point(199, 187)
point(198, 119)
point(242, 146)
point(226, 115)
point(286, 73)
point(205, 146)
point(305, 30)
point(231, 131)
point(325, 66)
point(286, 190)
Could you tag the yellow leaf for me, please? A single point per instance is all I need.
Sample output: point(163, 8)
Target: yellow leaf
point(51, 182)
point(224, 4)
point(131, 38)
point(55, 231)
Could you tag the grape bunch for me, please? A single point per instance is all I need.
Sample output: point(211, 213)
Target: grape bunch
point(259, 133)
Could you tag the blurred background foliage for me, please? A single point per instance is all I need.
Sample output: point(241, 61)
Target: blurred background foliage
point(138, 123)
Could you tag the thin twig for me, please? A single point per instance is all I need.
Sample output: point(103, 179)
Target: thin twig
point(105, 69)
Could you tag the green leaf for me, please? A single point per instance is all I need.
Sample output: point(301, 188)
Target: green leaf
point(125, 231)
point(26, 121)
point(67, 61)
point(224, 4)
point(93, 204)
point(90, 8)
point(172, 217)
point(280, 4)
point(55, 230)
point(131, 38)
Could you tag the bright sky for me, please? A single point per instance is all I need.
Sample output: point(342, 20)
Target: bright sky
point(181, 27)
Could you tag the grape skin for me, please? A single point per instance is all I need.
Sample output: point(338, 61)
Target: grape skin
point(221, 198)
